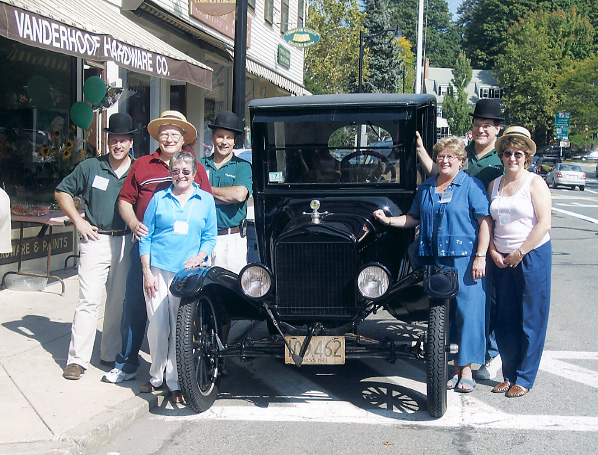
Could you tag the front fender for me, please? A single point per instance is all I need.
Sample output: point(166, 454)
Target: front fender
point(223, 287)
point(187, 283)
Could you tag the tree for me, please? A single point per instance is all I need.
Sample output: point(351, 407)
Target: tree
point(384, 58)
point(455, 108)
point(442, 40)
point(537, 49)
point(578, 93)
point(485, 24)
point(331, 65)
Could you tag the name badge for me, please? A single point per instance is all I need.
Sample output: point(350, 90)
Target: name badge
point(504, 219)
point(465, 164)
point(99, 182)
point(181, 227)
point(446, 196)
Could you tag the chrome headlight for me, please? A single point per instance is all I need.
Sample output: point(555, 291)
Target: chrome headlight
point(255, 280)
point(373, 281)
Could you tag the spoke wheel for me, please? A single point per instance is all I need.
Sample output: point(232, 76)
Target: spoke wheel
point(197, 353)
point(436, 357)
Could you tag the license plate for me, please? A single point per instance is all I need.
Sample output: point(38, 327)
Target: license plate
point(322, 350)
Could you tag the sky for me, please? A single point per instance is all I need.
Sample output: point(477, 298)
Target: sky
point(453, 5)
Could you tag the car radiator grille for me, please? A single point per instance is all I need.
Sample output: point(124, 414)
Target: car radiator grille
point(315, 280)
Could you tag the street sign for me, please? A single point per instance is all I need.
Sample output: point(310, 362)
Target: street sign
point(562, 119)
point(562, 133)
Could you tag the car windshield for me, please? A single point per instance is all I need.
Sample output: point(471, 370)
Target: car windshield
point(334, 151)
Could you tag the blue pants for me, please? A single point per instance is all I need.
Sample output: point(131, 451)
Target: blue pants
point(467, 312)
point(522, 305)
point(134, 318)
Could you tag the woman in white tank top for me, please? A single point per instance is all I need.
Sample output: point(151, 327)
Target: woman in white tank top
point(521, 251)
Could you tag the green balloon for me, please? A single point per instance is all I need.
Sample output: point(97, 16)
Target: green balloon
point(94, 89)
point(82, 114)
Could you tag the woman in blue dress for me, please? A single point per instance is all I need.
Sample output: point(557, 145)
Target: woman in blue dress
point(452, 210)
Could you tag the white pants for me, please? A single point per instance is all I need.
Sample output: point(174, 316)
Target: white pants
point(230, 252)
point(161, 331)
point(103, 266)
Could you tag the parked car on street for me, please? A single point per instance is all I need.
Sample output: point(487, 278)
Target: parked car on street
point(566, 174)
point(592, 156)
point(545, 164)
point(321, 166)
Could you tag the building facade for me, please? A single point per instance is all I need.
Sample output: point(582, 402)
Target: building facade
point(151, 55)
point(437, 81)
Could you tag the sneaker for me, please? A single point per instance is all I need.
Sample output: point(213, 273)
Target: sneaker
point(489, 370)
point(115, 376)
point(73, 371)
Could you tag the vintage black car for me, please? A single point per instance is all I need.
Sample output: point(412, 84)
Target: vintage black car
point(322, 165)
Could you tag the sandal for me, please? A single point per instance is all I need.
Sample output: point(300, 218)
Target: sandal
point(467, 382)
point(517, 391)
point(452, 382)
point(502, 387)
point(177, 397)
point(148, 388)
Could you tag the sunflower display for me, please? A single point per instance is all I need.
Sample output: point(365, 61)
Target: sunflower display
point(68, 144)
point(45, 151)
point(66, 153)
point(57, 153)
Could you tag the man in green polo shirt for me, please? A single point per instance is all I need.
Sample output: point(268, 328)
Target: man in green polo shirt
point(104, 248)
point(482, 161)
point(231, 182)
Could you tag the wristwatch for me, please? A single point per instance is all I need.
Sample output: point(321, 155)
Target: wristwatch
point(521, 251)
point(480, 255)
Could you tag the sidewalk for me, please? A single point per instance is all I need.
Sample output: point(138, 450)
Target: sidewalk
point(43, 413)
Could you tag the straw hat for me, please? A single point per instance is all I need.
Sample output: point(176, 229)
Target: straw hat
point(172, 118)
point(520, 133)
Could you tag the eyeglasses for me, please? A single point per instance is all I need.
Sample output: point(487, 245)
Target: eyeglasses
point(173, 136)
point(484, 126)
point(175, 172)
point(517, 155)
point(449, 158)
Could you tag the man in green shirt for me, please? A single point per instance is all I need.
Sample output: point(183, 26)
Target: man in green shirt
point(231, 182)
point(104, 248)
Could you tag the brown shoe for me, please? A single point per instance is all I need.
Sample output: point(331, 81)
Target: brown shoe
point(517, 391)
point(502, 387)
point(177, 397)
point(73, 371)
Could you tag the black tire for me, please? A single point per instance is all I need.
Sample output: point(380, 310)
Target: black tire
point(582, 187)
point(197, 353)
point(554, 185)
point(436, 357)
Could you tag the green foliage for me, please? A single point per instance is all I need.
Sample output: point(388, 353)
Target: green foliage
point(578, 92)
point(454, 106)
point(442, 40)
point(383, 52)
point(536, 51)
point(485, 24)
point(332, 65)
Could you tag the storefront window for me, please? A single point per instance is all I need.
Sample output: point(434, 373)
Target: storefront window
point(38, 144)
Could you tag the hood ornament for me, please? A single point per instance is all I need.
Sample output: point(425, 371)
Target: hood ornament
point(315, 215)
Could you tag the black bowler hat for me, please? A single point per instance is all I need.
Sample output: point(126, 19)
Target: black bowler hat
point(489, 109)
point(120, 124)
point(226, 120)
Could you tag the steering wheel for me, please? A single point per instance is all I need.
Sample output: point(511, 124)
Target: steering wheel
point(370, 176)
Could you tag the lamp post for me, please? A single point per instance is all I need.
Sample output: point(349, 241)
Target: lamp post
point(362, 38)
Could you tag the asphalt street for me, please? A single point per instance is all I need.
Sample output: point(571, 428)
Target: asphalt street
point(370, 406)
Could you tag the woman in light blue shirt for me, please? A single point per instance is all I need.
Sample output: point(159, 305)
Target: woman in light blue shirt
point(181, 223)
point(453, 213)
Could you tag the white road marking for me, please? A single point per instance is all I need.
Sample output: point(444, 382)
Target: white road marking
point(575, 215)
point(576, 204)
point(387, 399)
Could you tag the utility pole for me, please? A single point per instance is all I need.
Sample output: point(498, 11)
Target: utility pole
point(239, 61)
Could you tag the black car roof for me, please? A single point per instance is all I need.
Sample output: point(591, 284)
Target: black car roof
point(344, 100)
